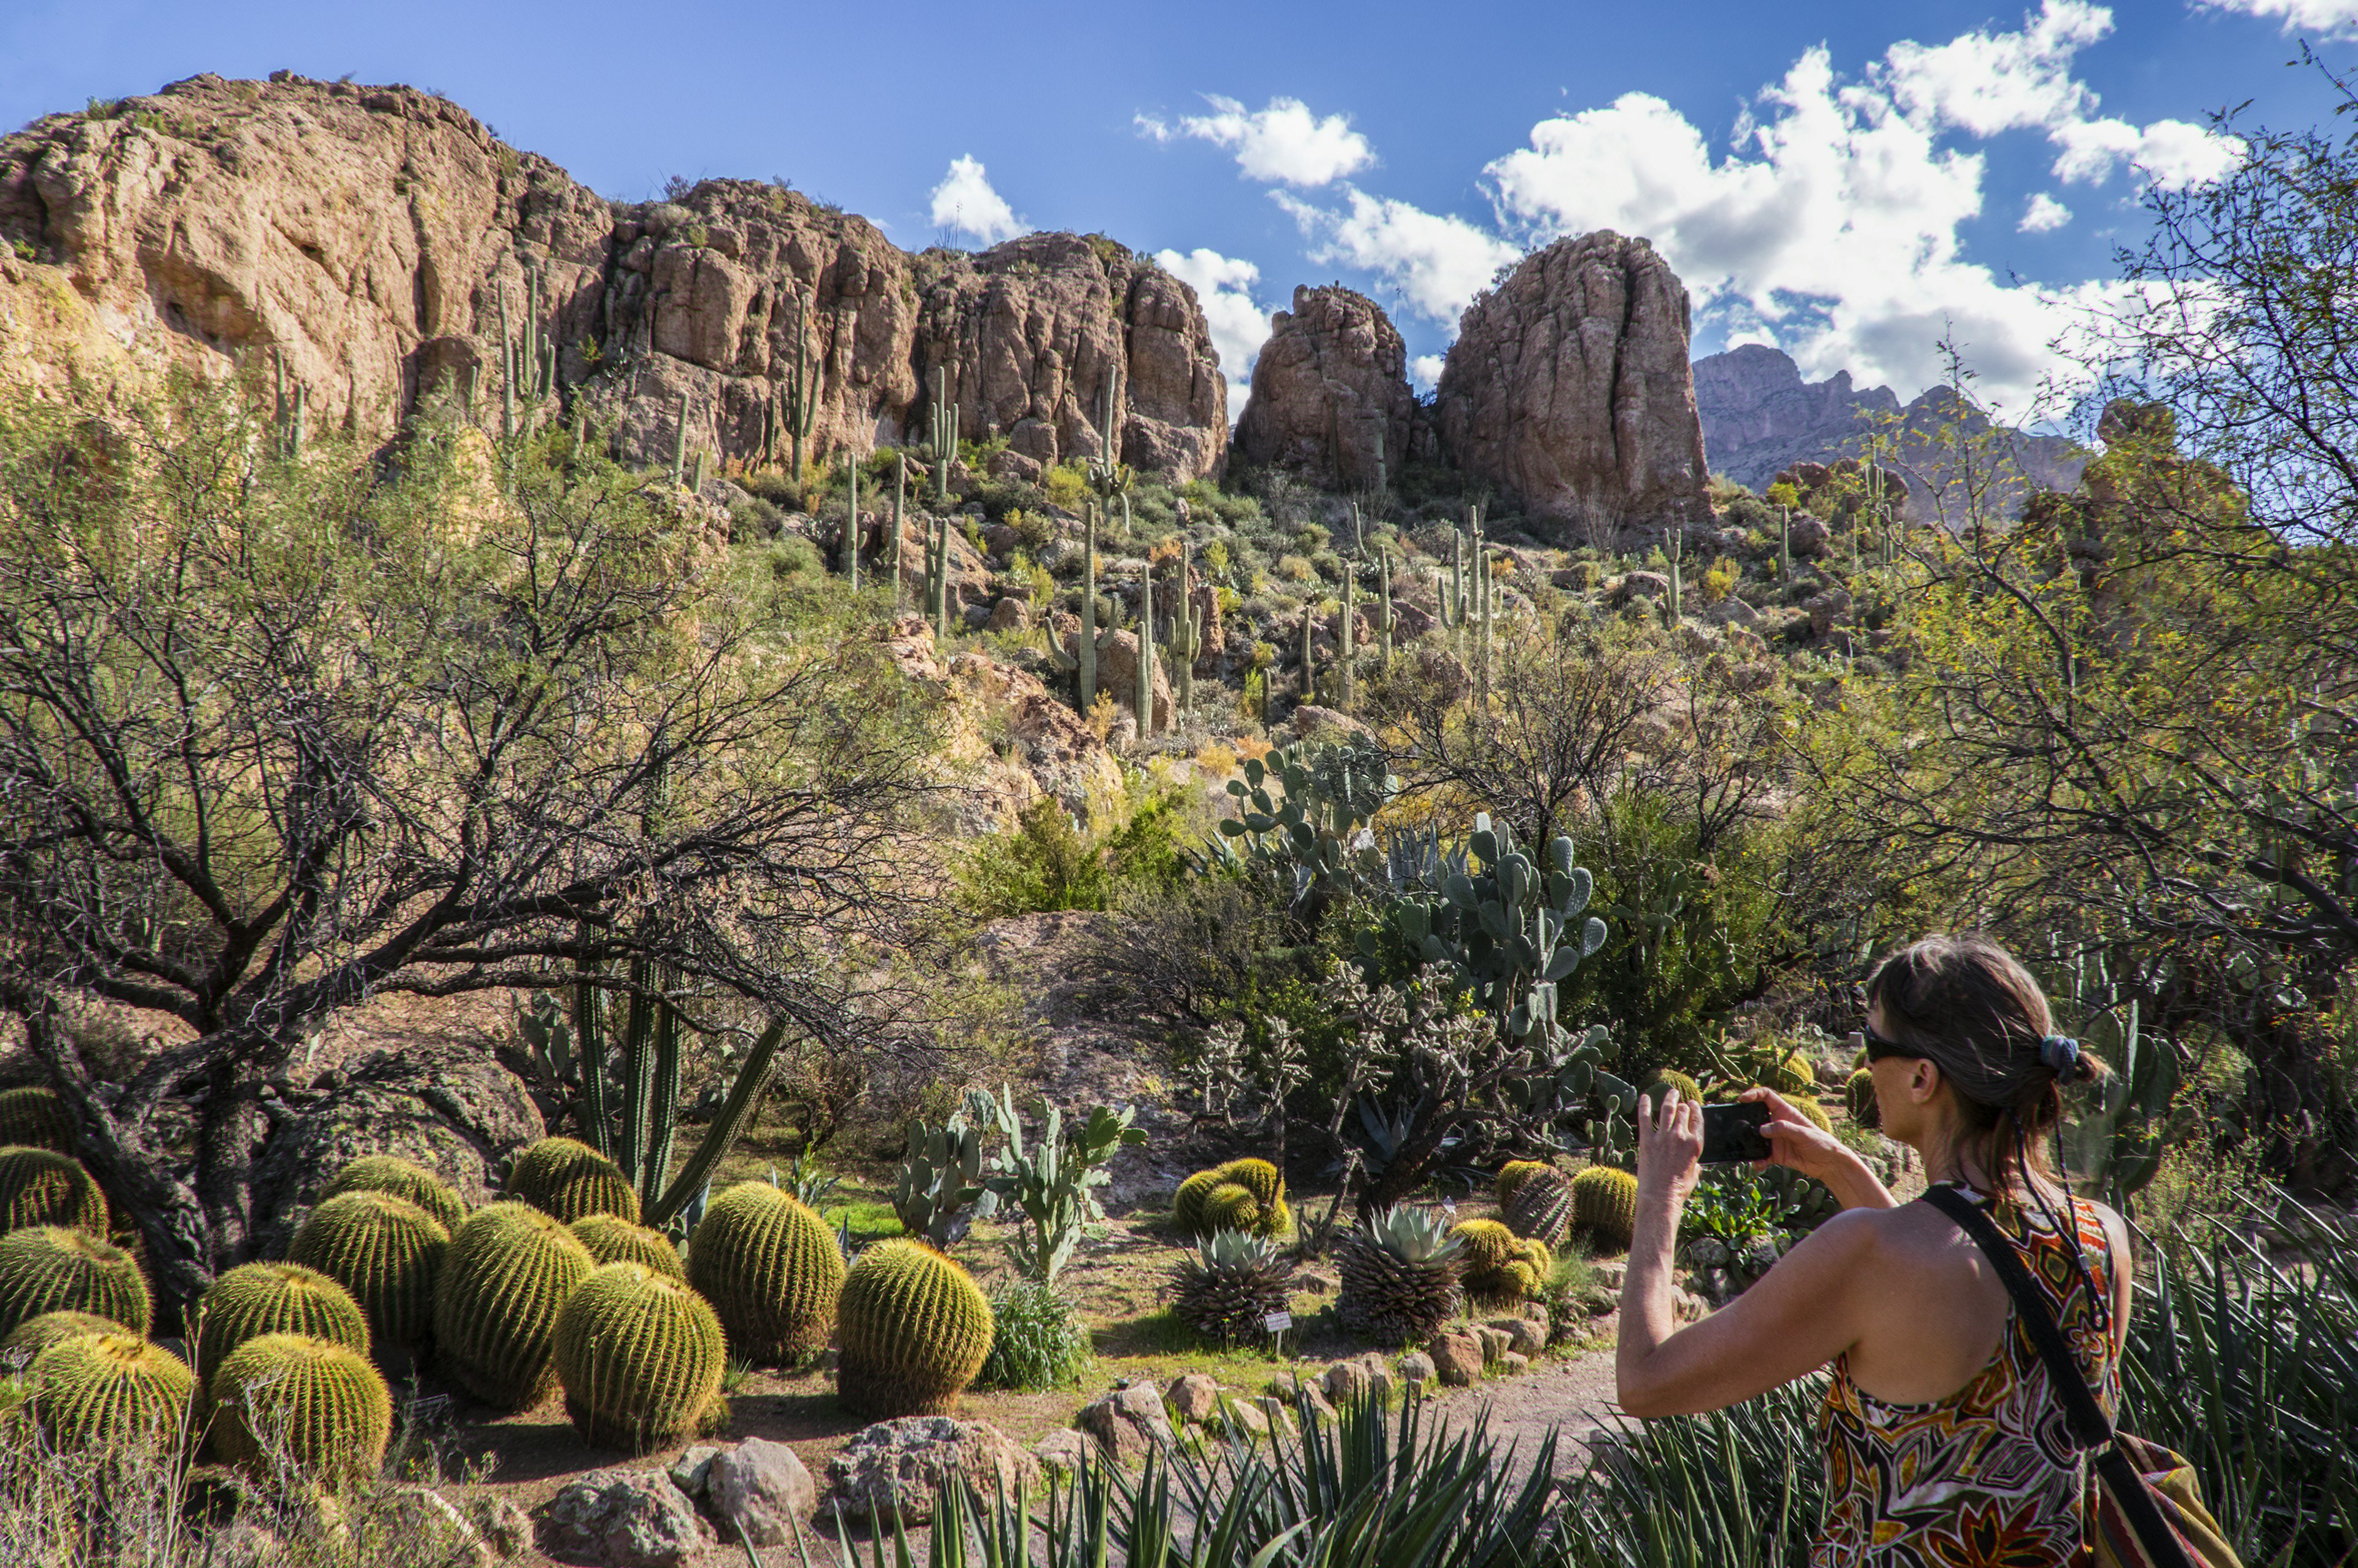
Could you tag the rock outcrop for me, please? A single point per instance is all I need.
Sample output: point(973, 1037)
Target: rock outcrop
point(1761, 419)
point(1568, 387)
point(383, 243)
point(1331, 380)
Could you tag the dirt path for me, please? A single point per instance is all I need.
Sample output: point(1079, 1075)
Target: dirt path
point(1572, 1398)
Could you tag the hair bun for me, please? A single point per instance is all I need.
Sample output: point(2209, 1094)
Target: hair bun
point(2061, 1055)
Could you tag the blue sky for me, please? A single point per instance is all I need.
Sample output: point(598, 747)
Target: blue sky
point(1842, 179)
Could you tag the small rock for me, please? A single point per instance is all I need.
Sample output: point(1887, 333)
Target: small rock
point(900, 1465)
point(1062, 1449)
point(1691, 1307)
point(1609, 1275)
point(1527, 1337)
point(1416, 1368)
point(1245, 1416)
point(1515, 1363)
point(1347, 1381)
point(1705, 1252)
point(757, 1485)
point(1192, 1396)
point(505, 1528)
point(1315, 1283)
point(1128, 1423)
point(689, 1470)
point(1494, 1342)
point(626, 1518)
point(1277, 1412)
point(1311, 1394)
point(1458, 1359)
point(1011, 614)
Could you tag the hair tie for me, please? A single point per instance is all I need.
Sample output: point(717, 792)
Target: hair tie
point(2061, 1055)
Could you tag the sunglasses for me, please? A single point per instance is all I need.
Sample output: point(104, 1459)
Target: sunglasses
point(1878, 1046)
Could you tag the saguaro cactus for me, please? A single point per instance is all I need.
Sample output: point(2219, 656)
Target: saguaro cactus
point(852, 532)
point(507, 370)
point(1676, 541)
point(1309, 656)
point(900, 490)
point(1144, 699)
point(679, 444)
point(1384, 621)
point(801, 407)
point(1343, 632)
point(1086, 677)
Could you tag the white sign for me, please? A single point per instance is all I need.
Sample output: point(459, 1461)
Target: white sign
point(1278, 1322)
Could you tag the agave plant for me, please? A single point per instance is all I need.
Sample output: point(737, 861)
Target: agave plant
point(1402, 1276)
point(1227, 1288)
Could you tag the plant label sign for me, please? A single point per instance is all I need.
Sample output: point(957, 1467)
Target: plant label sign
point(1278, 1322)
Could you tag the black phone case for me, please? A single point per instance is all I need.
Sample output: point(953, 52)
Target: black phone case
point(1732, 1132)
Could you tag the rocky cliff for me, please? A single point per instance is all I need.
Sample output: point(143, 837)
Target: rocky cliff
point(1760, 418)
point(1569, 388)
point(383, 242)
point(1330, 394)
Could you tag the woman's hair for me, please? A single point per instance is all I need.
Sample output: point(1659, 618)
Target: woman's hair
point(1968, 1006)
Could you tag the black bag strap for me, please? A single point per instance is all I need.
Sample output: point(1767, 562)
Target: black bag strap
point(2081, 1414)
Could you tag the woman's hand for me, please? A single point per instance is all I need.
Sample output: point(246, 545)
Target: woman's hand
point(1670, 1147)
point(1796, 1141)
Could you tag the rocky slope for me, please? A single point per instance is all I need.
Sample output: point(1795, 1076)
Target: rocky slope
point(385, 242)
point(1760, 418)
point(1330, 394)
point(1569, 389)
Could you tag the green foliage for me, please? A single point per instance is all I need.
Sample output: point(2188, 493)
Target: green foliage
point(938, 1191)
point(285, 1404)
point(384, 1250)
point(913, 1329)
point(613, 1240)
point(256, 1298)
point(41, 1187)
point(1038, 1342)
point(566, 1178)
point(1048, 863)
point(502, 1282)
point(1229, 1286)
point(1053, 1181)
point(771, 1269)
point(385, 1173)
point(1786, 1071)
point(53, 1268)
point(1605, 1205)
point(640, 1357)
point(1401, 1276)
point(1299, 814)
point(109, 1391)
point(35, 1118)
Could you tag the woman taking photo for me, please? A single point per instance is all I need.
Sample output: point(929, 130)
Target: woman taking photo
point(1944, 1442)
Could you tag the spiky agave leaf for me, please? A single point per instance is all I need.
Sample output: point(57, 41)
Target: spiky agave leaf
point(1401, 1273)
point(1227, 1287)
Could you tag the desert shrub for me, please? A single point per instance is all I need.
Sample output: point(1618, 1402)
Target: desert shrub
point(1038, 1342)
point(1049, 862)
point(1066, 486)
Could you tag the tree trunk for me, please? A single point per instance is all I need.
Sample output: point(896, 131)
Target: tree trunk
point(1419, 1152)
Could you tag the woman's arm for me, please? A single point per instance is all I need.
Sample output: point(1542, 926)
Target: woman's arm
point(1797, 1318)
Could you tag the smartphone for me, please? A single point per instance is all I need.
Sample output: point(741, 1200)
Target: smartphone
point(1732, 1132)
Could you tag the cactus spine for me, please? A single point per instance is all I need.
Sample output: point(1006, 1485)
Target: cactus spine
point(914, 1330)
point(640, 1357)
point(53, 1268)
point(1143, 701)
point(41, 1187)
point(771, 1267)
point(1085, 651)
point(109, 1391)
point(566, 1178)
point(386, 1251)
point(36, 1118)
point(317, 1409)
point(256, 1298)
point(385, 1173)
point(508, 1270)
point(613, 1240)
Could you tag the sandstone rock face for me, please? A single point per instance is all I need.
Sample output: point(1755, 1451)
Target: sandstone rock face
point(372, 236)
point(1333, 375)
point(1568, 387)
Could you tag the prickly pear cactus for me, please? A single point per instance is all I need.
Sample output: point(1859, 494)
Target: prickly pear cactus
point(108, 1392)
point(256, 1298)
point(1605, 1204)
point(771, 1269)
point(640, 1357)
point(613, 1240)
point(503, 1282)
point(914, 1330)
point(35, 1118)
point(288, 1403)
point(386, 1251)
point(386, 1174)
point(53, 1268)
point(41, 1187)
point(568, 1179)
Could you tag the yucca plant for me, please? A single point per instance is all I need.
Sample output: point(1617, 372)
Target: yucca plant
point(1229, 1286)
point(1401, 1277)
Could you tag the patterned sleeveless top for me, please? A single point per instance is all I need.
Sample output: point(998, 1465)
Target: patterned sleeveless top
point(1987, 1477)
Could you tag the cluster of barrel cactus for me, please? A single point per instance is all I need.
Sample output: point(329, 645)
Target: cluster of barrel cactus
point(1246, 1196)
point(913, 1329)
point(386, 1251)
point(257, 1299)
point(566, 1178)
point(611, 1239)
point(504, 1280)
point(41, 1187)
point(290, 1403)
point(1502, 1269)
point(640, 1357)
point(54, 1268)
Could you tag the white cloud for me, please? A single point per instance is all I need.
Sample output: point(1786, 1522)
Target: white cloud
point(2173, 154)
point(1223, 287)
point(1425, 371)
point(1984, 82)
point(2329, 16)
point(2044, 215)
point(1283, 144)
point(1439, 263)
point(964, 204)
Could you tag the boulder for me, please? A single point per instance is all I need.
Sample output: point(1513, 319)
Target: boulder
point(900, 1465)
point(760, 1488)
point(1192, 1396)
point(1494, 1342)
point(626, 1518)
point(1009, 614)
point(1637, 585)
point(1062, 1449)
point(1416, 1369)
point(693, 1467)
point(449, 1108)
point(1129, 1423)
point(1807, 535)
point(1118, 673)
point(1458, 1359)
point(1331, 382)
point(1310, 720)
point(1514, 1362)
point(1526, 1335)
point(1827, 611)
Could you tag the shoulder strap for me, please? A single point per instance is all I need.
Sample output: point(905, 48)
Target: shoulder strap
point(2085, 1416)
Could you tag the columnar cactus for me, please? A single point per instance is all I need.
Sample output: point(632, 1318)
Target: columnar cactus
point(1084, 689)
point(566, 1177)
point(914, 1330)
point(386, 1251)
point(1143, 699)
point(54, 1268)
point(41, 1187)
point(288, 1403)
point(1385, 621)
point(640, 1357)
point(1347, 630)
point(771, 1267)
point(1605, 1204)
point(613, 1240)
point(108, 1392)
point(506, 1275)
point(256, 1298)
point(386, 1174)
point(35, 1118)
